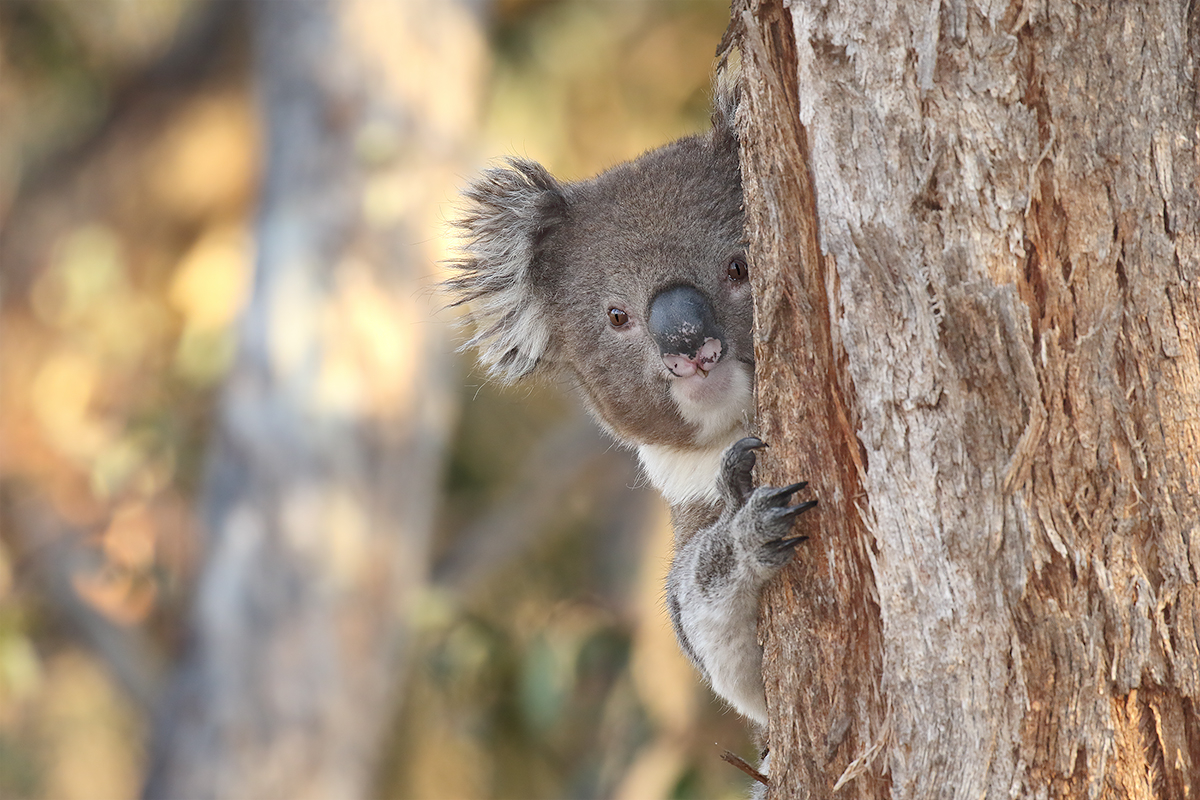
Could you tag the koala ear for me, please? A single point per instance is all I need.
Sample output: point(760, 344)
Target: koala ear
point(727, 93)
point(508, 214)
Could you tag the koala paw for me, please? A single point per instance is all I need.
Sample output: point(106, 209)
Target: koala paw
point(771, 519)
point(762, 516)
point(737, 466)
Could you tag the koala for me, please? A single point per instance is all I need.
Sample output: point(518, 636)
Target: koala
point(633, 286)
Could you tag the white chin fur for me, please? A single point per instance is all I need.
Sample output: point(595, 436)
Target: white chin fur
point(715, 404)
point(684, 475)
point(718, 405)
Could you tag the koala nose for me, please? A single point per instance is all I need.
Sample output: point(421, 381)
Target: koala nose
point(684, 327)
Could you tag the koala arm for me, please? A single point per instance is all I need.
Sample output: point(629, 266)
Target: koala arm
point(725, 555)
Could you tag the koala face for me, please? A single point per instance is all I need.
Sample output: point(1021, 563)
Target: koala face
point(632, 285)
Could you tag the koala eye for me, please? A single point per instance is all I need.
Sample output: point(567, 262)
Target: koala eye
point(737, 270)
point(617, 318)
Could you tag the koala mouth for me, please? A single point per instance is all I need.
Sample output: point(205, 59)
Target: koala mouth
point(701, 363)
point(718, 404)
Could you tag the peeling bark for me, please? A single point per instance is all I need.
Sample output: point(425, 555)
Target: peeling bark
point(976, 238)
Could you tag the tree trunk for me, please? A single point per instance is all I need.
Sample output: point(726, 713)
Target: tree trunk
point(332, 424)
point(976, 238)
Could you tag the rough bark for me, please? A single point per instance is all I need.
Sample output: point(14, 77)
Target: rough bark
point(976, 241)
point(332, 424)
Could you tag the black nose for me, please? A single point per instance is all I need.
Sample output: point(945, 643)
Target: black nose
point(682, 320)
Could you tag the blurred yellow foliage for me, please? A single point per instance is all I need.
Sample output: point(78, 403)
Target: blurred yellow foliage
point(391, 195)
point(603, 82)
point(435, 70)
point(212, 279)
point(107, 378)
point(89, 733)
point(118, 34)
point(129, 539)
point(118, 256)
point(121, 596)
point(87, 270)
point(61, 397)
point(86, 292)
point(210, 287)
point(373, 336)
point(120, 587)
point(20, 673)
point(115, 466)
point(208, 160)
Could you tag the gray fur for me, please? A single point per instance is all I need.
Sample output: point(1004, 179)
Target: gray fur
point(509, 214)
point(542, 265)
point(714, 566)
point(719, 605)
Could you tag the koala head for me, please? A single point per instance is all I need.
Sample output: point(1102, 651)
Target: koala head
point(632, 285)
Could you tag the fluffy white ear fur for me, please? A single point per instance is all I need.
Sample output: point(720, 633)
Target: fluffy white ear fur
point(509, 212)
point(727, 93)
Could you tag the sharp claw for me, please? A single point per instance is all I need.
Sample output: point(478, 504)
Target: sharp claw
point(784, 545)
point(750, 443)
point(795, 511)
point(786, 515)
point(784, 492)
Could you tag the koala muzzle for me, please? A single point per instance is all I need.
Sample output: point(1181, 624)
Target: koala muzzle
point(685, 329)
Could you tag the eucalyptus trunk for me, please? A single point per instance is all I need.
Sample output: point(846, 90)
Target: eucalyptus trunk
point(975, 233)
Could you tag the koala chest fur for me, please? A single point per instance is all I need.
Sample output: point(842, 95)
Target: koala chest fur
point(633, 286)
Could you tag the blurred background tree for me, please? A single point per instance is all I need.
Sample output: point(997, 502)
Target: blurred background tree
point(538, 661)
